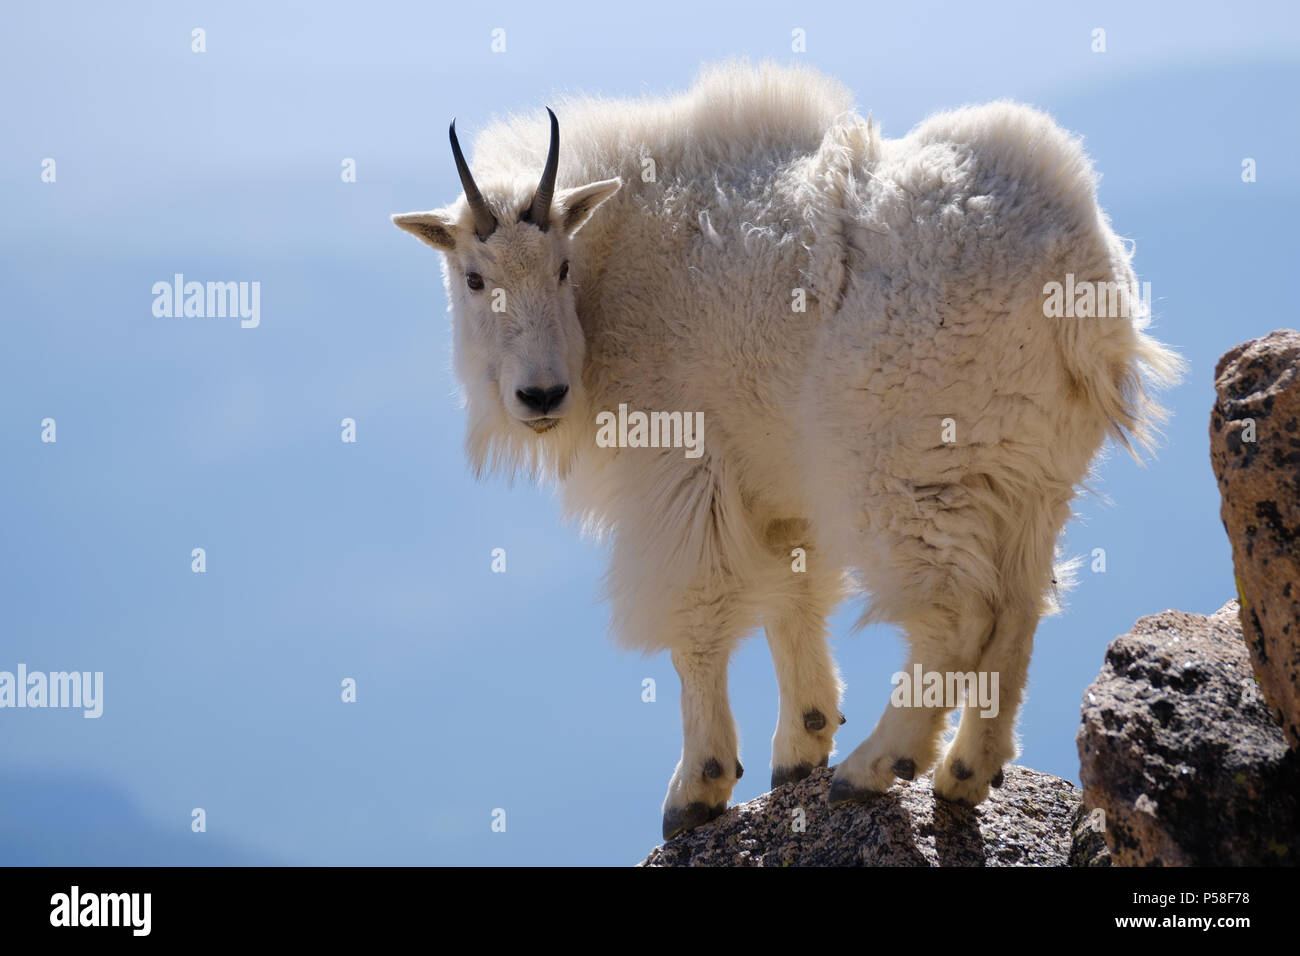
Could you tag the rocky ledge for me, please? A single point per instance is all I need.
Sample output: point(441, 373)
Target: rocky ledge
point(1034, 819)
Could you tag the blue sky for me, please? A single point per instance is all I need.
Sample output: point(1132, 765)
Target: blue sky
point(371, 560)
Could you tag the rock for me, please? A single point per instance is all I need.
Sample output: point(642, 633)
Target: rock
point(1255, 451)
point(1088, 844)
point(1181, 753)
point(1028, 821)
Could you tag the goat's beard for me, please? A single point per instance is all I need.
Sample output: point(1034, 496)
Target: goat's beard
point(498, 443)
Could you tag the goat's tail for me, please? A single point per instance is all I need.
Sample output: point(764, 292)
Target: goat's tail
point(1112, 362)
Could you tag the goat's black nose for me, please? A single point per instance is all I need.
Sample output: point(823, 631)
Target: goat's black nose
point(542, 400)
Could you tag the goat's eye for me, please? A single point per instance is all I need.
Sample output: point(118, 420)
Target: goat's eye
point(564, 270)
point(474, 280)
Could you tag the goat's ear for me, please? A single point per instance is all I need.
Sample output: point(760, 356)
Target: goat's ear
point(434, 228)
point(577, 204)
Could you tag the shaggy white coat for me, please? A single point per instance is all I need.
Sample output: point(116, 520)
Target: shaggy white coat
point(923, 261)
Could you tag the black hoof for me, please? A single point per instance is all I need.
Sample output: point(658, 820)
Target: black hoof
point(842, 719)
point(997, 780)
point(678, 820)
point(905, 768)
point(783, 775)
point(713, 769)
point(814, 720)
point(740, 770)
point(844, 792)
point(961, 771)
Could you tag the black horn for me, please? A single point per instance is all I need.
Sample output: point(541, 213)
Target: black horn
point(539, 213)
point(484, 222)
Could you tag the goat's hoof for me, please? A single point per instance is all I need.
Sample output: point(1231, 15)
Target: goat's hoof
point(905, 768)
point(842, 792)
point(678, 820)
point(956, 782)
point(794, 771)
point(814, 720)
point(783, 775)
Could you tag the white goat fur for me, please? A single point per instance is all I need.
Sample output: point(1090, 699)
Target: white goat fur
point(924, 261)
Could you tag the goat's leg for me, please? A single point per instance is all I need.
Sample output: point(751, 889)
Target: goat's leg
point(810, 688)
point(710, 761)
point(986, 738)
point(906, 739)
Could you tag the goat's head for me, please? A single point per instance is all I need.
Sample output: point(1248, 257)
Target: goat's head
point(518, 343)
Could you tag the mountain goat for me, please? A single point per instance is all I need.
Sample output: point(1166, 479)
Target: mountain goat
point(862, 326)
